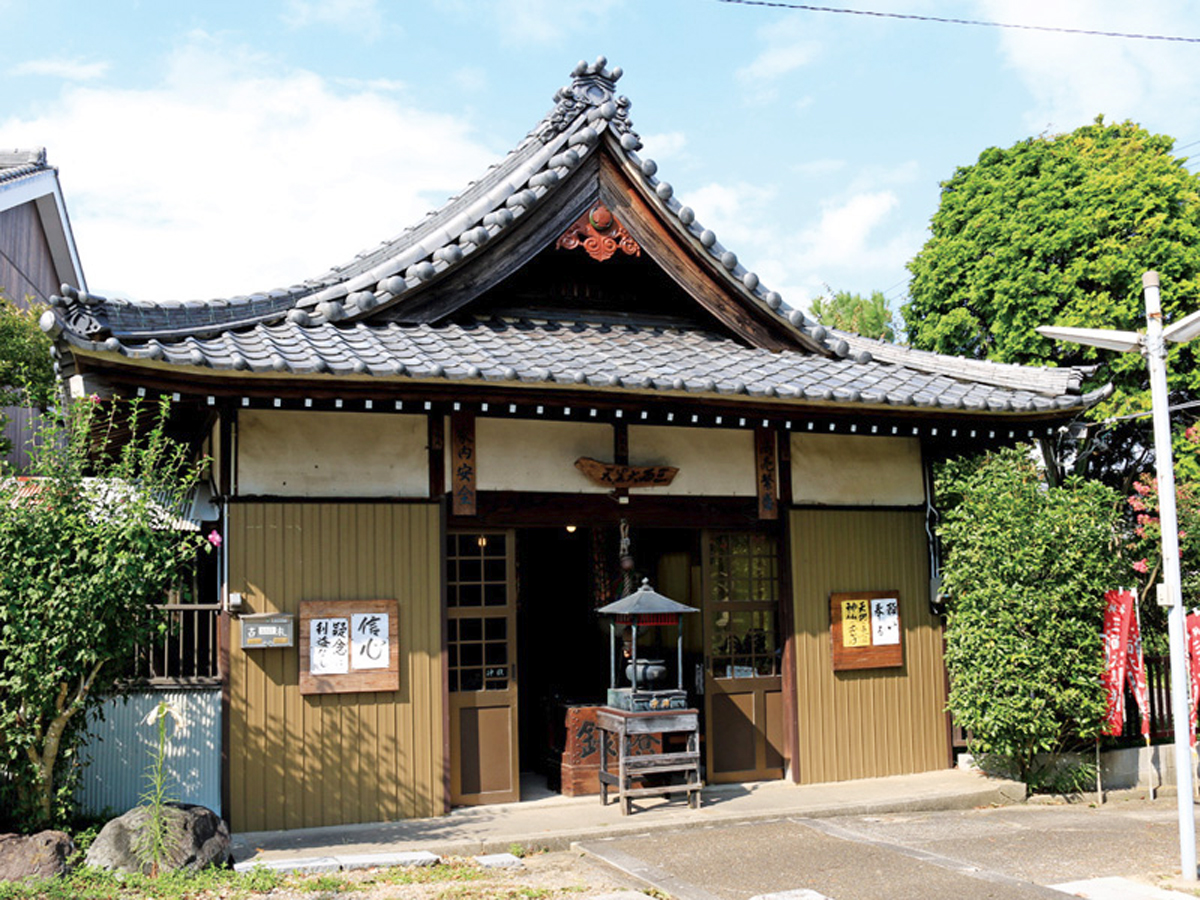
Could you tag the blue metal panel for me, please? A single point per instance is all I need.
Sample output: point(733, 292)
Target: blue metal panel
point(120, 748)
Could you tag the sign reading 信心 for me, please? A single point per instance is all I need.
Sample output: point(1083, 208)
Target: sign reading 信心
point(349, 645)
point(865, 627)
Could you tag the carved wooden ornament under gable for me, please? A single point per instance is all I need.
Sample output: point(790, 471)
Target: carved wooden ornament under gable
point(599, 233)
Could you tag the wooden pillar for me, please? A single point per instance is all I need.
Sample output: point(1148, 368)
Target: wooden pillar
point(621, 455)
point(787, 618)
point(437, 455)
point(228, 459)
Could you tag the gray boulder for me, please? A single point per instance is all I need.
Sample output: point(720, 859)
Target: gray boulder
point(41, 855)
point(196, 838)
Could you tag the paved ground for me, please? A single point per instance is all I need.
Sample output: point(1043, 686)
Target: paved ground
point(1006, 853)
point(554, 822)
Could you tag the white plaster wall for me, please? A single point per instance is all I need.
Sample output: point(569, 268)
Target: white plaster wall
point(713, 462)
point(325, 454)
point(852, 470)
point(525, 455)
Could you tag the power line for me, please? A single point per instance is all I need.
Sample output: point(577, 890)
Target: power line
point(778, 4)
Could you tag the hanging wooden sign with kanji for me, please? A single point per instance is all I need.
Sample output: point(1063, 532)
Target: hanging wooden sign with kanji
point(462, 463)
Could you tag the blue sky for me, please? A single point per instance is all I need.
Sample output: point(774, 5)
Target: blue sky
point(219, 148)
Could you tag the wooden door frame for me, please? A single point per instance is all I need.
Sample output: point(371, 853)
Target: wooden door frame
point(757, 686)
point(459, 700)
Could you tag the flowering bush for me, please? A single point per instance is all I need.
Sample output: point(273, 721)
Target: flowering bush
point(1143, 550)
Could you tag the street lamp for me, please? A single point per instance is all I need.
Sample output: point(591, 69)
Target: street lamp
point(1153, 346)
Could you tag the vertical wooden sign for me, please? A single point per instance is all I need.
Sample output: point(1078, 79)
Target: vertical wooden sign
point(766, 473)
point(462, 463)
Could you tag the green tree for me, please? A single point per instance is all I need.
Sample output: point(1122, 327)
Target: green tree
point(869, 316)
point(26, 370)
point(1027, 565)
point(87, 552)
point(1058, 230)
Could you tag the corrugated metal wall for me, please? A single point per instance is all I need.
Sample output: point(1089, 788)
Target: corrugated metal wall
point(872, 722)
point(20, 425)
point(120, 747)
point(302, 761)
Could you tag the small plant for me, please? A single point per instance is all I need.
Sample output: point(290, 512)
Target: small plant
point(152, 843)
point(517, 850)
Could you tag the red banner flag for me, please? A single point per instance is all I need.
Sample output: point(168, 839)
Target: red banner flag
point(1136, 667)
point(1193, 647)
point(1118, 611)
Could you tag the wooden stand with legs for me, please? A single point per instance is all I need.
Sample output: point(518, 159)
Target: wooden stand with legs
point(625, 726)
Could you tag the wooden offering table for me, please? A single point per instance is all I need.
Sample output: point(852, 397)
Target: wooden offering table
point(630, 768)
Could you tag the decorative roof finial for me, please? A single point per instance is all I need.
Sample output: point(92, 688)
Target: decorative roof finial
point(593, 85)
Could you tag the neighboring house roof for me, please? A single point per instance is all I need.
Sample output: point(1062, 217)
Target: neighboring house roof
point(403, 312)
point(26, 177)
point(109, 496)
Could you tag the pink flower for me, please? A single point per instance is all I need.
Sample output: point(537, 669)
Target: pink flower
point(214, 539)
point(1141, 487)
point(1137, 504)
point(1141, 566)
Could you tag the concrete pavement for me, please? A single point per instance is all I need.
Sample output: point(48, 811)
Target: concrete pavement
point(554, 822)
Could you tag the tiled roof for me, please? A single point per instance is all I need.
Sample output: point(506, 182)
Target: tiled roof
point(17, 164)
point(330, 325)
point(593, 355)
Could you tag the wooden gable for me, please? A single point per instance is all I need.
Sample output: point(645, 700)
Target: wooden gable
point(532, 271)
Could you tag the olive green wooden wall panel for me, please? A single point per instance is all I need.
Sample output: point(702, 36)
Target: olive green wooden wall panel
point(870, 722)
point(304, 761)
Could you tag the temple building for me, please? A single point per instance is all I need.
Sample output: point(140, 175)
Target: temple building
point(434, 463)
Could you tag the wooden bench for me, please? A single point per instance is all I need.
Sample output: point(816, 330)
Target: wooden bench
point(630, 769)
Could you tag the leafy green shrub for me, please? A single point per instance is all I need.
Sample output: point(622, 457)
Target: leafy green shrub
point(87, 552)
point(1027, 566)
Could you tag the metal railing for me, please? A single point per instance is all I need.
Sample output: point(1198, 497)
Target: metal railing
point(188, 654)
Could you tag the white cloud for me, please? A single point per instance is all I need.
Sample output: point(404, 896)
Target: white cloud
point(850, 237)
point(788, 46)
point(361, 17)
point(667, 145)
point(67, 69)
point(233, 175)
point(523, 22)
point(1073, 78)
point(819, 168)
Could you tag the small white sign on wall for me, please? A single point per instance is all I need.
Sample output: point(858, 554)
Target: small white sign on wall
point(329, 646)
point(885, 621)
point(369, 643)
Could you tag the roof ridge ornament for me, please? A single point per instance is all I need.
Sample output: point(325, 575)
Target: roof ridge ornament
point(599, 233)
point(593, 86)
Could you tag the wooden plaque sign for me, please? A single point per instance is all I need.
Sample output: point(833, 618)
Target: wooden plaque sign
point(349, 646)
point(614, 475)
point(866, 630)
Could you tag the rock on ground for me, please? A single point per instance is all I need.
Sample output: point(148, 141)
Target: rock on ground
point(196, 837)
point(40, 855)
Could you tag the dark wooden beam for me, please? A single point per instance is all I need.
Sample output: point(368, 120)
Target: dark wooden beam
point(437, 455)
point(524, 509)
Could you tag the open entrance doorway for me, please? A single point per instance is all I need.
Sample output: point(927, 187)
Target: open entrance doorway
point(527, 649)
point(563, 577)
